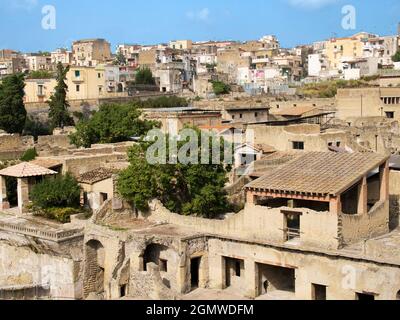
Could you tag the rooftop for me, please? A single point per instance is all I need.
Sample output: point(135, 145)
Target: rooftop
point(296, 111)
point(96, 175)
point(26, 170)
point(325, 173)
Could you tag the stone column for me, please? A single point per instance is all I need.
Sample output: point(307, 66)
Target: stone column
point(384, 179)
point(23, 194)
point(335, 205)
point(3, 194)
point(251, 279)
point(363, 197)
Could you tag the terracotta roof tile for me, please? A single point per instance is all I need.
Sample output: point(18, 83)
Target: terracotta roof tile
point(25, 170)
point(326, 173)
point(96, 175)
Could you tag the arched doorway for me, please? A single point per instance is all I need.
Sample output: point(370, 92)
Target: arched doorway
point(398, 295)
point(94, 268)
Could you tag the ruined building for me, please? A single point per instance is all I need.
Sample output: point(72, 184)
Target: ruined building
point(316, 227)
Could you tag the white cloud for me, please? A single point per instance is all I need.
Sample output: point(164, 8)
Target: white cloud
point(201, 15)
point(311, 4)
point(22, 4)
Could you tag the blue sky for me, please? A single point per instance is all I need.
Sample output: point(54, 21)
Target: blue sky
point(152, 21)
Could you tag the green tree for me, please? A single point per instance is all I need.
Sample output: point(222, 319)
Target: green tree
point(120, 59)
point(59, 115)
point(12, 108)
point(59, 192)
point(144, 76)
point(112, 123)
point(35, 128)
point(396, 57)
point(220, 88)
point(188, 189)
point(56, 198)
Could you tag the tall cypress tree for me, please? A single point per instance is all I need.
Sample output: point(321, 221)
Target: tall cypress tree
point(59, 115)
point(12, 108)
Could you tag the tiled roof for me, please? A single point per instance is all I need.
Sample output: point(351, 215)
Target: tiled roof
point(96, 175)
point(25, 170)
point(326, 173)
point(295, 111)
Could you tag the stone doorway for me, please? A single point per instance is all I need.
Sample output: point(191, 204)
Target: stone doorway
point(195, 273)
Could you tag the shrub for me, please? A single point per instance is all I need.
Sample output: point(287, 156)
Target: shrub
point(220, 88)
point(62, 215)
point(29, 155)
point(59, 192)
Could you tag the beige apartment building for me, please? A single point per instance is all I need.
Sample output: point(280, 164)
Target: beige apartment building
point(61, 55)
point(84, 83)
point(337, 49)
point(181, 44)
point(91, 52)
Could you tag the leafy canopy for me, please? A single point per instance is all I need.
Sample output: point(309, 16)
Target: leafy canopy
point(12, 108)
point(59, 115)
point(144, 76)
point(59, 192)
point(396, 57)
point(112, 123)
point(188, 189)
point(220, 88)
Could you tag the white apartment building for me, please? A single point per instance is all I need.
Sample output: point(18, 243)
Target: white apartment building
point(61, 55)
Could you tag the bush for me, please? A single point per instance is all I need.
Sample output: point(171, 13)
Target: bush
point(29, 155)
point(62, 215)
point(163, 102)
point(59, 192)
point(220, 88)
point(144, 76)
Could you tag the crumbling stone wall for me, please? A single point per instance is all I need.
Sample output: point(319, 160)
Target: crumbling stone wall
point(94, 268)
point(13, 146)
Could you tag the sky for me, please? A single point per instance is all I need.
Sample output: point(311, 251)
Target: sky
point(294, 22)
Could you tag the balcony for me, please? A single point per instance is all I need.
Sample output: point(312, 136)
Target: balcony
point(78, 79)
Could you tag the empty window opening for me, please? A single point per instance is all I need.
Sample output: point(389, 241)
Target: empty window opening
point(195, 272)
point(153, 254)
point(246, 159)
point(389, 115)
point(318, 206)
point(234, 271)
point(298, 145)
point(398, 295)
point(292, 225)
point(103, 197)
point(318, 292)
point(365, 296)
point(273, 278)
